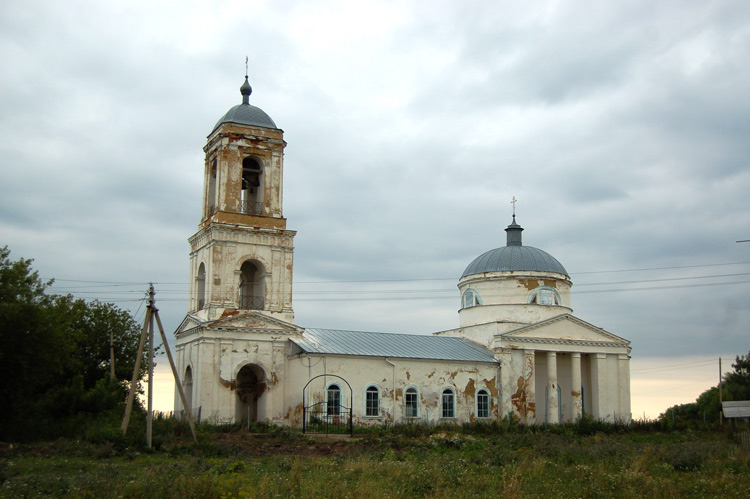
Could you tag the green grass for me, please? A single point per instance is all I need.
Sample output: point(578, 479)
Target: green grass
point(400, 462)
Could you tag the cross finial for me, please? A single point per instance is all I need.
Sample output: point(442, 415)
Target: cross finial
point(513, 202)
point(245, 66)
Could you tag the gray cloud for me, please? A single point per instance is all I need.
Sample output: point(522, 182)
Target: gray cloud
point(621, 128)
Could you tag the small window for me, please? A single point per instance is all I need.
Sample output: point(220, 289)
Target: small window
point(411, 401)
point(471, 299)
point(544, 296)
point(448, 404)
point(372, 401)
point(333, 402)
point(483, 404)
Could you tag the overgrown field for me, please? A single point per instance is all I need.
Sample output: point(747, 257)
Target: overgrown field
point(437, 462)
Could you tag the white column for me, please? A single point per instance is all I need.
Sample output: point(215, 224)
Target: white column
point(623, 387)
point(599, 386)
point(553, 403)
point(575, 391)
point(529, 381)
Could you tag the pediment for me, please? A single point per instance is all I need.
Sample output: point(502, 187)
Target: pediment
point(188, 323)
point(562, 329)
point(255, 321)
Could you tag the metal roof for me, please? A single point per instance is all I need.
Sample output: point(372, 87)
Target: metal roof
point(406, 346)
point(514, 256)
point(247, 114)
point(508, 258)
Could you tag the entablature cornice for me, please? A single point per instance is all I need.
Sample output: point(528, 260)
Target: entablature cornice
point(563, 345)
point(232, 233)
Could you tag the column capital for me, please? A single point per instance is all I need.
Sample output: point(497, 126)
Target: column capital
point(575, 355)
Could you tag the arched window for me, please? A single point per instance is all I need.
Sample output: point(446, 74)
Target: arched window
point(448, 404)
point(252, 288)
point(201, 286)
point(411, 403)
point(471, 299)
point(252, 187)
point(483, 404)
point(188, 388)
point(211, 194)
point(333, 400)
point(544, 295)
point(372, 401)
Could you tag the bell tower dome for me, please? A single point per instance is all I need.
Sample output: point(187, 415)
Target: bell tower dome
point(241, 258)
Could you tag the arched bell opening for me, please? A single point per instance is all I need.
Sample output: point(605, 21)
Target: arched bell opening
point(250, 388)
point(252, 187)
point(200, 282)
point(252, 286)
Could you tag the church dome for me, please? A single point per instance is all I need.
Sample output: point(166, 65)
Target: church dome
point(245, 113)
point(514, 257)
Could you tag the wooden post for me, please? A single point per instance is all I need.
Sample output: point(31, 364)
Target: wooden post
point(150, 413)
point(721, 397)
point(136, 369)
point(112, 353)
point(177, 382)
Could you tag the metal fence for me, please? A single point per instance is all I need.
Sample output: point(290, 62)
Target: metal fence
point(322, 417)
point(252, 303)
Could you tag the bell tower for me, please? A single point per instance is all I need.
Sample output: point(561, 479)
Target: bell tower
point(241, 258)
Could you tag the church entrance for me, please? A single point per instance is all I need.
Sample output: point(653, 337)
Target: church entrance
point(250, 387)
point(327, 405)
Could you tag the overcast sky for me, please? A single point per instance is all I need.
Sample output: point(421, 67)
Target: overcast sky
point(622, 128)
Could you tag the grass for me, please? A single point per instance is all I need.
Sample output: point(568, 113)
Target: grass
point(400, 462)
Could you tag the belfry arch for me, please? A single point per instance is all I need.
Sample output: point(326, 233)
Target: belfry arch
point(252, 286)
point(200, 286)
point(250, 390)
point(252, 187)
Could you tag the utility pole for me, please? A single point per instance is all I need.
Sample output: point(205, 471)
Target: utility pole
point(112, 353)
point(150, 410)
point(148, 327)
point(721, 397)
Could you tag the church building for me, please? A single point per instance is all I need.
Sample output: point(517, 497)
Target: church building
point(518, 349)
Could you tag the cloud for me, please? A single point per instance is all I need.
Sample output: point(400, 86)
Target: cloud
point(621, 128)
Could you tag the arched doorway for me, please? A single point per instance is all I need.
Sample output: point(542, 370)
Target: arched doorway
point(250, 388)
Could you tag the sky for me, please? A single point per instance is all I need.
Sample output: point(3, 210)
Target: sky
point(621, 127)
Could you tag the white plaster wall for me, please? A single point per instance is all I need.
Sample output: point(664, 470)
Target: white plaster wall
point(392, 377)
point(218, 356)
point(223, 249)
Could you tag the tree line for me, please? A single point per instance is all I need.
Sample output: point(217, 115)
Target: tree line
point(55, 364)
point(735, 385)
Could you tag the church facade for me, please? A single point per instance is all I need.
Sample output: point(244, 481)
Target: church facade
point(518, 349)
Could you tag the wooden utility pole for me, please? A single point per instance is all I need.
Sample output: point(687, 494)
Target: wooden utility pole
point(112, 353)
point(150, 404)
point(148, 325)
point(721, 397)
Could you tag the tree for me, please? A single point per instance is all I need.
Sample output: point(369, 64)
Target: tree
point(738, 382)
point(33, 348)
point(54, 351)
point(735, 386)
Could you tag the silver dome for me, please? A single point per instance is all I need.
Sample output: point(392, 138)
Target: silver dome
point(510, 258)
point(514, 256)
